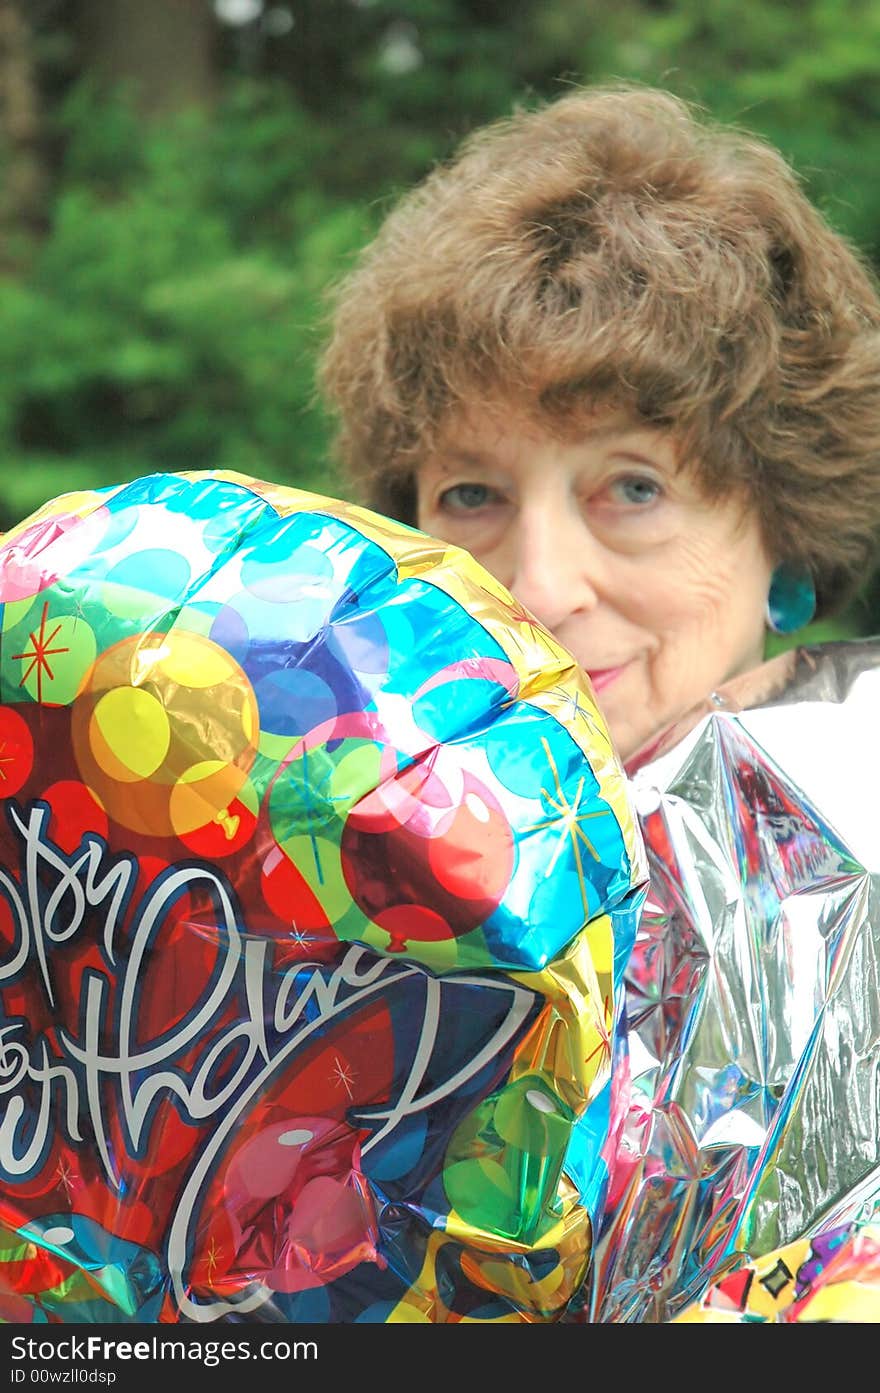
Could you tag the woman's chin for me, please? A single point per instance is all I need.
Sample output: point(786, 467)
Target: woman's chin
point(628, 736)
point(755, 687)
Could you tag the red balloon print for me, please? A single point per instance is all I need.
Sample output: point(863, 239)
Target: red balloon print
point(425, 868)
point(16, 752)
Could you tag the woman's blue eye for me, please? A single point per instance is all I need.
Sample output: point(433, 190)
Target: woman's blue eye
point(466, 496)
point(635, 489)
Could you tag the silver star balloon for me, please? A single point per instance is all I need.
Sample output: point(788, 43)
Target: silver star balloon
point(753, 991)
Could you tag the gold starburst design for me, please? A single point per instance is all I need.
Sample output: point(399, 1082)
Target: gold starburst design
point(533, 627)
point(213, 1254)
point(567, 817)
point(66, 1176)
point(4, 759)
point(343, 1075)
point(603, 1030)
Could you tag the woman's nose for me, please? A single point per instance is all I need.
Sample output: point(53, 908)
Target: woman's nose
point(556, 572)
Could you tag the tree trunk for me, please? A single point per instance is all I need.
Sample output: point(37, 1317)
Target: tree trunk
point(23, 189)
point(165, 49)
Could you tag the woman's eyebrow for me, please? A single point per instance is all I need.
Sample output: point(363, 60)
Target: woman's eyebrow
point(638, 443)
point(625, 430)
point(640, 456)
point(473, 458)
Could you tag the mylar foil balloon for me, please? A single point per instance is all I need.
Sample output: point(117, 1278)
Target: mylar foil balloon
point(831, 1278)
point(754, 1008)
point(317, 880)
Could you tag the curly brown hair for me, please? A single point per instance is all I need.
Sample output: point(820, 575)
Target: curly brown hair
point(615, 244)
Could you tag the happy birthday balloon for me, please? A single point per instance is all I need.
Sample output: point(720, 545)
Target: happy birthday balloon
point(317, 878)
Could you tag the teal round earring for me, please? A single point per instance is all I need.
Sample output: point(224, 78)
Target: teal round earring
point(791, 602)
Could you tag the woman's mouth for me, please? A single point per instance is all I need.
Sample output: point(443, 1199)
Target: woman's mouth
point(602, 677)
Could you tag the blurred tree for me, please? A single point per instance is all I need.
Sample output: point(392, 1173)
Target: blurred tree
point(168, 313)
point(24, 185)
point(805, 76)
point(163, 51)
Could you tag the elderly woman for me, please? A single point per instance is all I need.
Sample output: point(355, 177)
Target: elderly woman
point(614, 353)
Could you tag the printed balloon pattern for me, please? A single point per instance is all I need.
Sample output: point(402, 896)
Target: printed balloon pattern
point(829, 1277)
point(317, 875)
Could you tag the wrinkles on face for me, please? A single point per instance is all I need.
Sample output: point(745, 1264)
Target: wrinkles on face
point(657, 592)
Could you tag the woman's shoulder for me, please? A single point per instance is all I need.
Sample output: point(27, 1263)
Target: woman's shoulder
point(800, 677)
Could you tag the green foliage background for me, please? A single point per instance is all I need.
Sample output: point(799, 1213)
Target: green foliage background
point(169, 314)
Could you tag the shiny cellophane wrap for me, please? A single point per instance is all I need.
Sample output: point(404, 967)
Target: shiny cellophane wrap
point(753, 997)
point(318, 875)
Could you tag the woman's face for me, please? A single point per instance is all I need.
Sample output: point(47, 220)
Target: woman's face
point(658, 592)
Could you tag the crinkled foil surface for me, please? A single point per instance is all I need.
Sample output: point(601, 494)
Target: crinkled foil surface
point(318, 877)
point(752, 993)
